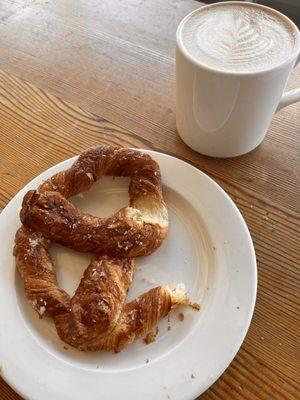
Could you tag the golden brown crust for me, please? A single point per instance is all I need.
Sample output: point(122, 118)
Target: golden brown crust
point(58, 220)
point(38, 273)
point(100, 161)
point(95, 317)
point(133, 231)
point(100, 296)
point(98, 301)
point(137, 318)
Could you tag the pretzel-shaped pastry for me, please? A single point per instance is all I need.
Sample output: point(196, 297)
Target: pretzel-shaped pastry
point(95, 317)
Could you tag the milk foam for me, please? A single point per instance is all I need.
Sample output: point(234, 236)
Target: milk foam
point(237, 37)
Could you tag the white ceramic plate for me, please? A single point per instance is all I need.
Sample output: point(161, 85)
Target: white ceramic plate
point(208, 248)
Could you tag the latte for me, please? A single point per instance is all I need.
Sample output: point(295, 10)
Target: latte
point(238, 37)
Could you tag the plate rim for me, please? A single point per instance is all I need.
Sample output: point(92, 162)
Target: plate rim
point(9, 378)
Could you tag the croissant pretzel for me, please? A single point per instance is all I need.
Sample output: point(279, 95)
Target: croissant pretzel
point(95, 317)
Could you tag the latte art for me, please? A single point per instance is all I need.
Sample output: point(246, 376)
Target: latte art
point(239, 37)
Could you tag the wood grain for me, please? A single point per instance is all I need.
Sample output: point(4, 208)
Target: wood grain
point(116, 59)
point(126, 75)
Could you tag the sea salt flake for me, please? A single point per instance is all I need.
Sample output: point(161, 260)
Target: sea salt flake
point(33, 242)
point(41, 310)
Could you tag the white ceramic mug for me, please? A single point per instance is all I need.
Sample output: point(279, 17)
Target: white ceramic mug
point(227, 114)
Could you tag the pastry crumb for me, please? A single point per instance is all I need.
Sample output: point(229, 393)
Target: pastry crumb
point(151, 336)
point(147, 360)
point(90, 176)
point(169, 323)
point(237, 307)
point(66, 348)
point(181, 316)
point(214, 248)
point(195, 306)
point(193, 376)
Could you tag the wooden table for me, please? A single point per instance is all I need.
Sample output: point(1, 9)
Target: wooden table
point(115, 59)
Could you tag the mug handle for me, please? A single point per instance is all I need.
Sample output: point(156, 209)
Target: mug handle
point(289, 97)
